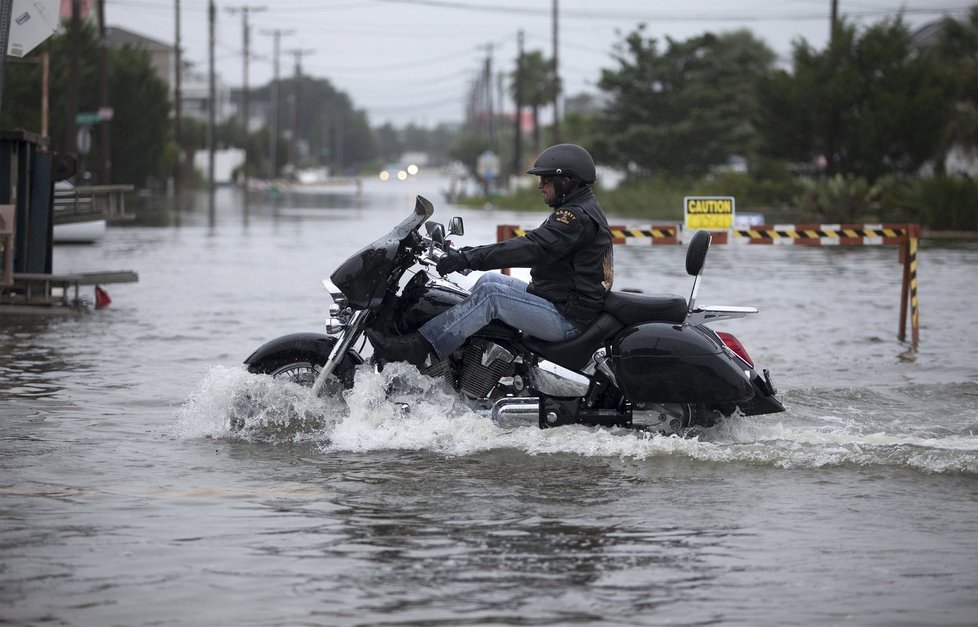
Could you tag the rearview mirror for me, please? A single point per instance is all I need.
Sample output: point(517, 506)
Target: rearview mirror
point(456, 227)
point(436, 232)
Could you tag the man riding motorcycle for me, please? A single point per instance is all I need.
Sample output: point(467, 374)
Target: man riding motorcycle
point(570, 261)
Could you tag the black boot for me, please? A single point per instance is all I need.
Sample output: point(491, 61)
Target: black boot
point(412, 348)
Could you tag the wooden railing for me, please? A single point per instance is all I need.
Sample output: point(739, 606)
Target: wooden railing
point(93, 202)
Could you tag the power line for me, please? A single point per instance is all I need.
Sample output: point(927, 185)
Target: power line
point(317, 6)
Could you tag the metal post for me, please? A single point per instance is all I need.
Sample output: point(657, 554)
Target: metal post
point(556, 77)
point(274, 105)
point(6, 8)
point(908, 255)
point(105, 150)
point(245, 95)
point(177, 112)
point(211, 117)
point(518, 97)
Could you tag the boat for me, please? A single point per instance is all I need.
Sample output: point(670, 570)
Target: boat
point(88, 232)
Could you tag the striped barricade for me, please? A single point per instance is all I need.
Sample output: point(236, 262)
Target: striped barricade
point(826, 234)
point(906, 236)
point(655, 234)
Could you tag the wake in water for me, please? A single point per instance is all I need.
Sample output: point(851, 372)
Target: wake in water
point(402, 409)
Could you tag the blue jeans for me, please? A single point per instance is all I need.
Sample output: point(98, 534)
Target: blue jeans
point(497, 297)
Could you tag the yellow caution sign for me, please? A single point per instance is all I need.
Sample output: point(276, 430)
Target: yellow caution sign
point(711, 213)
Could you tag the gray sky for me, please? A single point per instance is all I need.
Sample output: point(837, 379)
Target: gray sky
point(414, 60)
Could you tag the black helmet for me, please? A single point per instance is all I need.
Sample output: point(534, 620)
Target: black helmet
point(565, 160)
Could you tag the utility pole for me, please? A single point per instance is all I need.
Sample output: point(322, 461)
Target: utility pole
point(834, 24)
point(45, 100)
point(296, 88)
point(177, 111)
point(556, 80)
point(211, 114)
point(74, 68)
point(6, 10)
point(517, 128)
point(105, 174)
point(245, 93)
point(276, 35)
point(490, 121)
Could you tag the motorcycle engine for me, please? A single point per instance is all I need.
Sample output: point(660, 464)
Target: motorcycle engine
point(484, 363)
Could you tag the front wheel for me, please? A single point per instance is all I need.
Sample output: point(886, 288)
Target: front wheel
point(300, 358)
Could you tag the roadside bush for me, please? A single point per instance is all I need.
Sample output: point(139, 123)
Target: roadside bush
point(940, 203)
point(843, 199)
point(656, 198)
point(660, 198)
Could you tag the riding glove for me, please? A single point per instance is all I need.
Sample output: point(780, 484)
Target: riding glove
point(452, 261)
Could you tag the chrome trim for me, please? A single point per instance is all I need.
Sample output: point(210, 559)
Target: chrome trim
point(335, 325)
point(704, 315)
point(497, 353)
point(338, 297)
point(345, 341)
point(449, 285)
point(555, 380)
point(512, 411)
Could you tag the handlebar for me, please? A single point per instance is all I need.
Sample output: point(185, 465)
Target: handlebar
point(433, 252)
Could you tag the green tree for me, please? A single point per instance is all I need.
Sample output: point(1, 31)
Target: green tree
point(389, 142)
point(957, 52)
point(139, 133)
point(687, 109)
point(868, 105)
point(467, 148)
point(139, 127)
point(336, 134)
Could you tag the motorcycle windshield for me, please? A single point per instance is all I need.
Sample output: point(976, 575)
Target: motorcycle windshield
point(363, 277)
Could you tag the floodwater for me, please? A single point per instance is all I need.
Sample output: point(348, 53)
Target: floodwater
point(125, 500)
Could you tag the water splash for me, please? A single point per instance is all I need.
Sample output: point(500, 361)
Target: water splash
point(230, 403)
point(399, 409)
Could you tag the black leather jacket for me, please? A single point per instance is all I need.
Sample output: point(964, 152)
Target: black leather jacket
point(569, 256)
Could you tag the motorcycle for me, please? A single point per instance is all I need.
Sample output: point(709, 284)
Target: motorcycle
point(647, 362)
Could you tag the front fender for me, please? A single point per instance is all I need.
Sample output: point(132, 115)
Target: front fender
point(296, 344)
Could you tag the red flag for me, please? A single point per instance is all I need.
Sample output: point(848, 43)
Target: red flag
point(102, 299)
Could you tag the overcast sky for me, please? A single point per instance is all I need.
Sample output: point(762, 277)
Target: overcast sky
point(414, 60)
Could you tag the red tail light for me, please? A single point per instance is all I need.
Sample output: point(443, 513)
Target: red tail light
point(734, 344)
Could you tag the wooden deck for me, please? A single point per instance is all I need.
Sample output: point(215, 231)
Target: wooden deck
point(55, 293)
point(92, 202)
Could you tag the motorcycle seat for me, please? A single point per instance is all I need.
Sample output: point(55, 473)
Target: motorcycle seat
point(633, 308)
point(574, 354)
point(621, 309)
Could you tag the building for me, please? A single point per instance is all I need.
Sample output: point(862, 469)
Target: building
point(194, 84)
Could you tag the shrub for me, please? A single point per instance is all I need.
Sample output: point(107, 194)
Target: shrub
point(941, 202)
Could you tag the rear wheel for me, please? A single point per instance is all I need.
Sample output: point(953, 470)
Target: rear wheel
point(682, 419)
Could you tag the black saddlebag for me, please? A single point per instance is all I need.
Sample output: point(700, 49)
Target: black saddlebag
point(668, 363)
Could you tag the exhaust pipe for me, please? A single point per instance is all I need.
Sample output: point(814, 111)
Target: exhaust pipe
point(516, 412)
